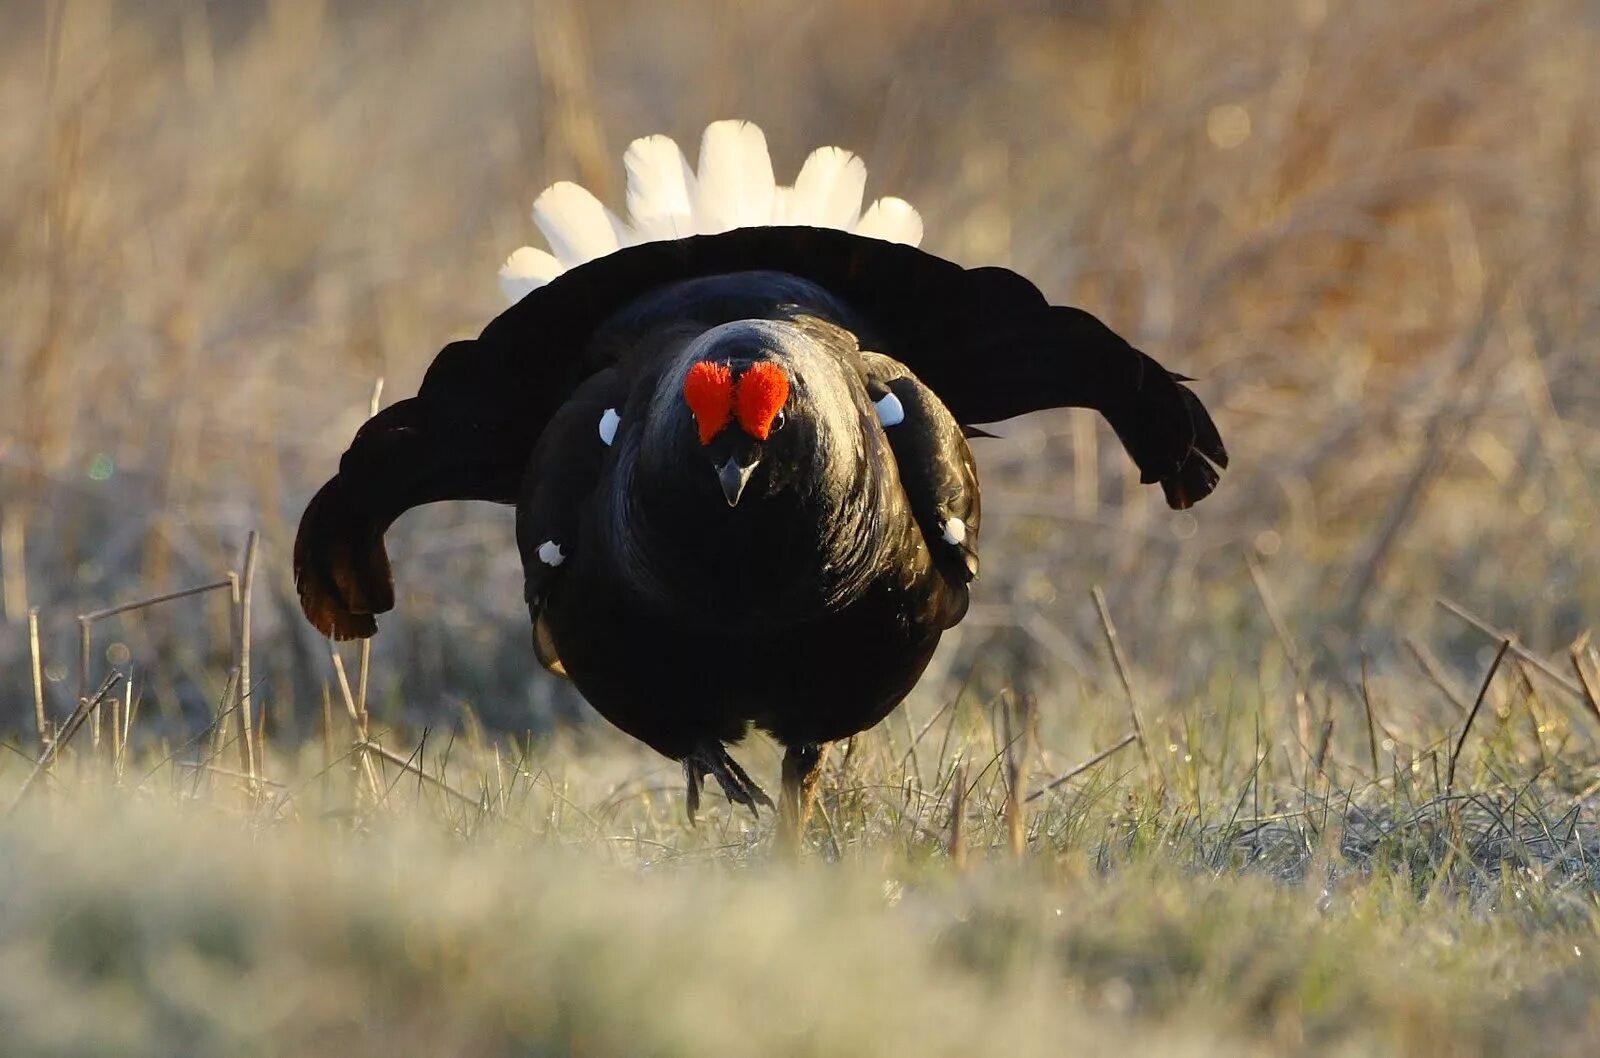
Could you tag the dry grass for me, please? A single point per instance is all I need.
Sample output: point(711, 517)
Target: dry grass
point(1368, 229)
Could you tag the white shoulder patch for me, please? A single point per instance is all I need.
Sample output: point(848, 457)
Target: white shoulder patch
point(550, 553)
point(890, 411)
point(609, 421)
point(955, 531)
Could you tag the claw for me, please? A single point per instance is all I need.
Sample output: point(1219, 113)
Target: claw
point(691, 796)
point(736, 783)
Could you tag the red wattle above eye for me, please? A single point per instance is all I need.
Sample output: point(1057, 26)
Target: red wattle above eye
point(708, 389)
point(762, 392)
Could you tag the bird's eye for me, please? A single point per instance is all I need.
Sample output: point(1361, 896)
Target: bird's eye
point(778, 421)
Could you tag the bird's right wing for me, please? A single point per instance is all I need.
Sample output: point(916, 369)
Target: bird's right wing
point(434, 446)
point(567, 464)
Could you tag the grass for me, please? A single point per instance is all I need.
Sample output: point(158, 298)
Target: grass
point(1278, 787)
point(557, 903)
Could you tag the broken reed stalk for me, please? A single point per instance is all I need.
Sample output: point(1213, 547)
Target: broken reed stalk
point(1435, 673)
point(1324, 740)
point(1018, 749)
point(154, 600)
point(85, 634)
point(116, 737)
point(229, 773)
point(1483, 692)
point(1591, 689)
point(41, 719)
point(956, 844)
point(129, 707)
point(243, 590)
point(1491, 632)
point(85, 707)
point(1280, 629)
point(359, 722)
point(1121, 663)
point(411, 765)
point(363, 676)
point(1372, 720)
point(1072, 773)
point(327, 736)
point(225, 706)
point(260, 747)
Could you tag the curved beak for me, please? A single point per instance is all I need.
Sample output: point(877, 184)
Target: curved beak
point(733, 477)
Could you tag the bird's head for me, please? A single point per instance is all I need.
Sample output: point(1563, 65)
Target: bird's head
point(735, 416)
point(753, 408)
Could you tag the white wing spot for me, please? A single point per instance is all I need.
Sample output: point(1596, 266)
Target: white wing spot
point(550, 553)
point(608, 425)
point(955, 531)
point(890, 411)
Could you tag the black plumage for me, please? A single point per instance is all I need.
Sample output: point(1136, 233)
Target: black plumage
point(809, 607)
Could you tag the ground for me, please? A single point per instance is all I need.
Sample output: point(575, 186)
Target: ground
point(1357, 822)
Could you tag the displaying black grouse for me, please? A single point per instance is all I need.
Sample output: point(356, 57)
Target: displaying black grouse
point(735, 432)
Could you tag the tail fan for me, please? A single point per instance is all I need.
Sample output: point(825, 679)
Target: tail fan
point(827, 193)
point(734, 188)
point(661, 189)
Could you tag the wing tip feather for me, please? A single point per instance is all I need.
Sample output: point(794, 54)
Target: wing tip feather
point(342, 580)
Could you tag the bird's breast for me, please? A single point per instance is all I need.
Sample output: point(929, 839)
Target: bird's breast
point(773, 561)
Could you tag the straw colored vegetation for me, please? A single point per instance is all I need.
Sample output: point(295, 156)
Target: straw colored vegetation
point(1361, 818)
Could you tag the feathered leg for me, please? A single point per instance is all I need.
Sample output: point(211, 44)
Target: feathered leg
point(802, 769)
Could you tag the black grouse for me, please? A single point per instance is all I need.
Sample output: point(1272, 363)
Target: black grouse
point(735, 432)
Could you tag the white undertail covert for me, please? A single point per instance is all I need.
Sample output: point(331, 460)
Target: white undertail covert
point(733, 187)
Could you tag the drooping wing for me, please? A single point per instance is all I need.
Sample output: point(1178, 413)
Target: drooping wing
point(567, 464)
point(413, 452)
point(936, 467)
point(466, 435)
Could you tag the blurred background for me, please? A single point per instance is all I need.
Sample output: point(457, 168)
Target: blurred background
point(1369, 229)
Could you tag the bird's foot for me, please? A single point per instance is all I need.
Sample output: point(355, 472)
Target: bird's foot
point(712, 759)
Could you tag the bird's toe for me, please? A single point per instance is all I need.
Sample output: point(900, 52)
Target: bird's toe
point(713, 760)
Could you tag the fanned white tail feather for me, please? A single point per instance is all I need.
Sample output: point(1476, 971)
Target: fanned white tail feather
point(828, 191)
point(893, 220)
point(575, 224)
point(525, 271)
point(733, 188)
point(661, 189)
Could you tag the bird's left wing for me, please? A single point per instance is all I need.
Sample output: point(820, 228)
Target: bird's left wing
point(936, 467)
